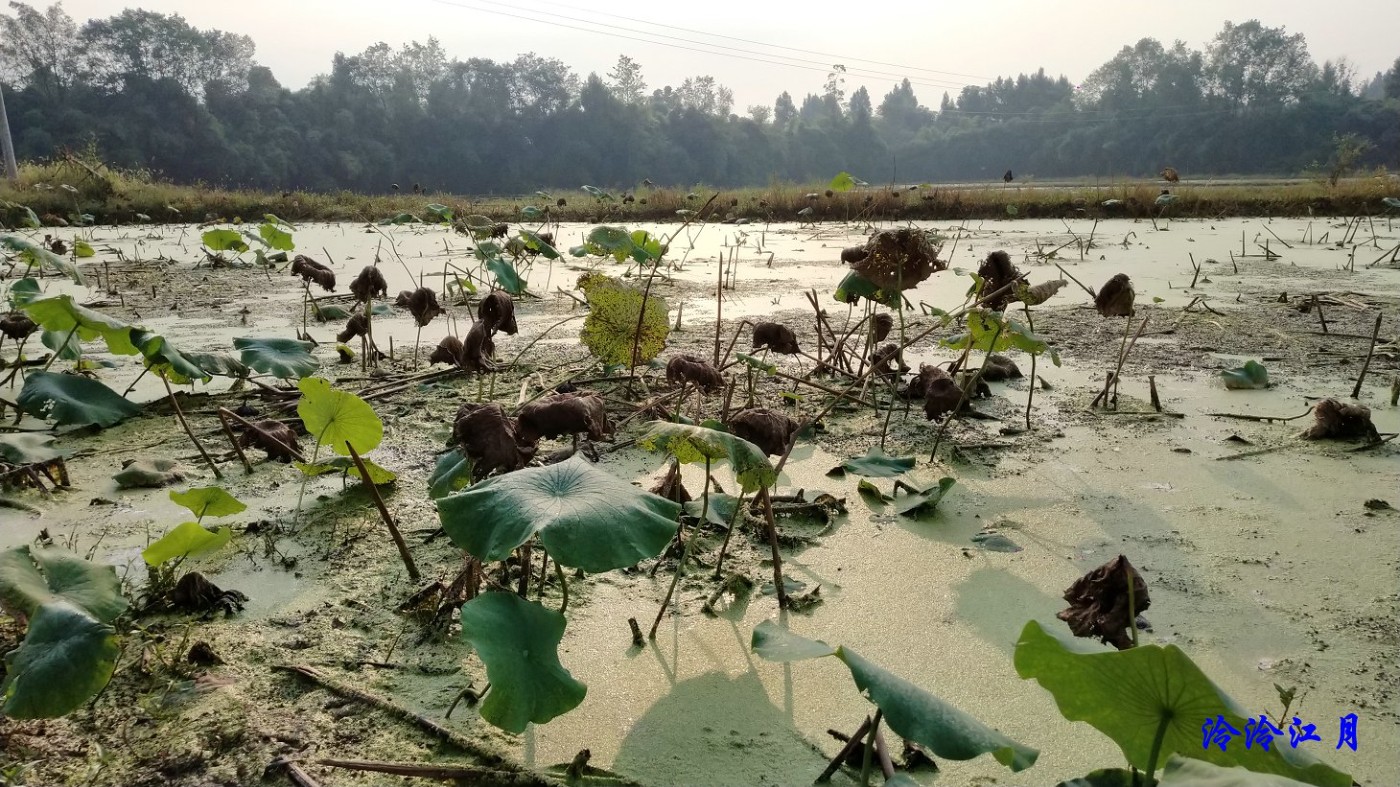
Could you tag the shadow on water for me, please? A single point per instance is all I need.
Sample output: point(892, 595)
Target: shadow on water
point(717, 729)
point(996, 604)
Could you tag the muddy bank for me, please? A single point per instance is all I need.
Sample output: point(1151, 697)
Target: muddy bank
point(1267, 569)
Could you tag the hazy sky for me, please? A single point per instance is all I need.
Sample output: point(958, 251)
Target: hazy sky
point(938, 45)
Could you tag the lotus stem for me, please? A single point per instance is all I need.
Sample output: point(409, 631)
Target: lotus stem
point(685, 554)
point(733, 522)
point(1156, 741)
point(384, 513)
point(869, 748)
point(180, 416)
point(564, 589)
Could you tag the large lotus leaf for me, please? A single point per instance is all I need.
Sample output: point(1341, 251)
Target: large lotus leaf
point(1126, 695)
point(31, 577)
point(335, 417)
point(518, 641)
point(67, 656)
point(189, 539)
point(910, 711)
point(224, 240)
point(276, 237)
point(610, 329)
point(23, 291)
point(69, 399)
point(281, 358)
point(66, 346)
point(606, 240)
point(534, 242)
point(208, 501)
point(1187, 772)
point(61, 314)
point(452, 472)
point(691, 444)
point(586, 517)
point(163, 358)
point(878, 464)
point(221, 364)
point(41, 256)
point(506, 276)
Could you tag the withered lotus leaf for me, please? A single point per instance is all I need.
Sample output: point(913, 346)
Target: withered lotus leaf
point(692, 369)
point(1098, 603)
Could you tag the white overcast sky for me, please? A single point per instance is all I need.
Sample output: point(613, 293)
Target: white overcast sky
point(938, 45)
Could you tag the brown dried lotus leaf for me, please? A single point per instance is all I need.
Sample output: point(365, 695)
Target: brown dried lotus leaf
point(369, 284)
point(312, 271)
point(17, 325)
point(423, 305)
point(478, 349)
point(998, 272)
point(1040, 293)
point(888, 360)
point(778, 338)
point(557, 415)
point(1000, 368)
point(882, 325)
point(692, 369)
point(942, 396)
point(768, 430)
point(918, 387)
point(497, 310)
point(1098, 603)
point(356, 326)
point(274, 437)
point(1337, 420)
point(490, 439)
point(448, 351)
point(1115, 299)
point(853, 254)
point(899, 259)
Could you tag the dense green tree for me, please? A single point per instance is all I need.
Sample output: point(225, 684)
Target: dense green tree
point(156, 93)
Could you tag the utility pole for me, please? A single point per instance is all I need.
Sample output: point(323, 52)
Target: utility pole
point(7, 146)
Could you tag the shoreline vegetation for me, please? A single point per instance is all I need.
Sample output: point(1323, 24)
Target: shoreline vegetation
point(71, 190)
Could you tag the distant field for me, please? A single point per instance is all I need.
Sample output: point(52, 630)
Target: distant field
point(110, 196)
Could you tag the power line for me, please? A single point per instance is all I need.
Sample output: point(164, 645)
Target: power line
point(747, 56)
point(843, 57)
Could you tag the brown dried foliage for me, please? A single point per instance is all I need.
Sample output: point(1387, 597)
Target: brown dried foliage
point(768, 430)
point(477, 349)
point(556, 415)
point(497, 310)
point(1337, 420)
point(274, 437)
point(888, 360)
point(999, 368)
point(490, 439)
point(1115, 299)
point(312, 271)
point(17, 325)
point(776, 337)
point(356, 326)
point(423, 305)
point(1098, 603)
point(854, 254)
point(899, 259)
point(449, 350)
point(881, 327)
point(997, 272)
point(369, 284)
point(692, 369)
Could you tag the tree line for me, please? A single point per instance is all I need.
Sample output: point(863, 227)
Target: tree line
point(150, 91)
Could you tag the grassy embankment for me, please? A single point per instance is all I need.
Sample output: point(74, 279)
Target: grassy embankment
point(115, 196)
